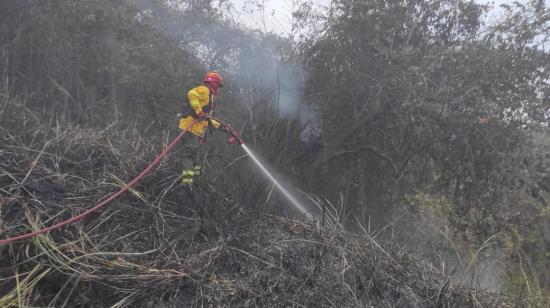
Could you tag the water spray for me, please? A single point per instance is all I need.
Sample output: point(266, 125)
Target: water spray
point(235, 138)
point(285, 192)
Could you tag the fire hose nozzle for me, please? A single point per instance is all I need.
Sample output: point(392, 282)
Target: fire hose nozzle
point(234, 136)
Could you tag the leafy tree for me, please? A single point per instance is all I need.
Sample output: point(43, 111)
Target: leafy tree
point(93, 62)
point(416, 96)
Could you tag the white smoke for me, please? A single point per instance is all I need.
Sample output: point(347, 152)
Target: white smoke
point(264, 69)
point(259, 65)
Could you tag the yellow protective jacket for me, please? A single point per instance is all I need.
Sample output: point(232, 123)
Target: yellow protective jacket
point(198, 97)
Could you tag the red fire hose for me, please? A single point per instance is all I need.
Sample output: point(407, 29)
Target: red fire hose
point(104, 202)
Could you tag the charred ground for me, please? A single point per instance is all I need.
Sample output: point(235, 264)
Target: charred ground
point(168, 245)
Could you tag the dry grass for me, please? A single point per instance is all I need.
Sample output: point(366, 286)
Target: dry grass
point(169, 246)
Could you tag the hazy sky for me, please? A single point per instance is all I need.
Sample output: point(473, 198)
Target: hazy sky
point(277, 13)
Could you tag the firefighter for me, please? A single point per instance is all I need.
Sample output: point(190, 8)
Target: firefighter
point(201, 101)
point(196, 121)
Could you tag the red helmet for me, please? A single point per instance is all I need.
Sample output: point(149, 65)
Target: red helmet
point(213, 77)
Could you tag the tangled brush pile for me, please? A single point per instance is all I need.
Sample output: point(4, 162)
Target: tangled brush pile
point(165, 245)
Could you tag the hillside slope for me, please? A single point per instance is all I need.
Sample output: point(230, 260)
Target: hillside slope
point(166, 245)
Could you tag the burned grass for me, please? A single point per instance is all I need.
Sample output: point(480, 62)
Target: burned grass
point(166, 245)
